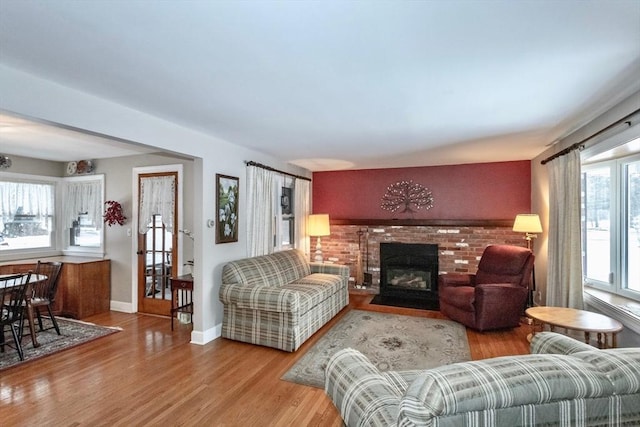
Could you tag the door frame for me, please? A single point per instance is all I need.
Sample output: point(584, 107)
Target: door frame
point(137, 171)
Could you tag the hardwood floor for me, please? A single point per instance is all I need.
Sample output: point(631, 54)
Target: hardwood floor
point(147, 375)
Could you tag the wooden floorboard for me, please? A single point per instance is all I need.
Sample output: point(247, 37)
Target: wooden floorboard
point(148, 375)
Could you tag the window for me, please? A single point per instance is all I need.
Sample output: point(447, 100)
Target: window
point(29, 225)
point(82, 213)
point(27, 217)
point(611, 225)
point(596, 222)
point(631, 235)
point(287, 228)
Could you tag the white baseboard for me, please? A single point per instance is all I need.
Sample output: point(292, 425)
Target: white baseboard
point(201, 338)
point(197, 337)
point(125, 307)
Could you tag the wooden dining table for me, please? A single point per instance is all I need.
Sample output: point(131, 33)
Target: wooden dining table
point(35, 278)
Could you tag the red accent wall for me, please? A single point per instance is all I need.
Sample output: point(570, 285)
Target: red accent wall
point(472, 191)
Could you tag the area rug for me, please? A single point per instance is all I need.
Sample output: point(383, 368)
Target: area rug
point(73, 333)
point(390, 341)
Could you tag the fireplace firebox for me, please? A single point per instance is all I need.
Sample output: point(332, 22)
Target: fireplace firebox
point(409, 271)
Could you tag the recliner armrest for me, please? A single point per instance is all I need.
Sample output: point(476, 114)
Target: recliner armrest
point(504, 293)
point(496, 289)
point(456, 280)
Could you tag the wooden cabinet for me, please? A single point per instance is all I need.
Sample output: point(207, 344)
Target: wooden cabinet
point(84, 288)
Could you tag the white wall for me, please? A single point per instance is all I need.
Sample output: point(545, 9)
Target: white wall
point(30, 166)
point(119, 245)
point(37, 98)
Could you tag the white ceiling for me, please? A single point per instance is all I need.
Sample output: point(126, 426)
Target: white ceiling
point(341, 84)
point(29, 138)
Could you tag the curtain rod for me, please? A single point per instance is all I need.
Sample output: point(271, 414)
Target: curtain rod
point(269, 168)
point(580, 145)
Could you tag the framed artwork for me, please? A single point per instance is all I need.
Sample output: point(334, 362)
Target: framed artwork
point(227, 205)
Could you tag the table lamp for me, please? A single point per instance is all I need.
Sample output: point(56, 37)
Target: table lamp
point(318, 226)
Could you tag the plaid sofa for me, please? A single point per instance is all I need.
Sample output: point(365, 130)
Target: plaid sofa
point(280, 300)
point(562, 383)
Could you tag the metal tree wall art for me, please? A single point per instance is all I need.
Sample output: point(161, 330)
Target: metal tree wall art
point(403, 194)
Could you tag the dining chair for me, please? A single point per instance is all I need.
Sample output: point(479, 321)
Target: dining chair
point(12, 297)
point(43, 292)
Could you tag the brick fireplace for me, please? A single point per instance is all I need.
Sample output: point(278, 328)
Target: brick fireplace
point(460, 243)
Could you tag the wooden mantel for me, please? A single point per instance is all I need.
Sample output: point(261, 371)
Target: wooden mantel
point(427, 222)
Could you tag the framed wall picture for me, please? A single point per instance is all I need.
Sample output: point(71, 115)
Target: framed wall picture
point(227, 204)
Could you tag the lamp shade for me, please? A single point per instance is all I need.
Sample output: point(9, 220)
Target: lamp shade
point(527, 223)
point(319, 225)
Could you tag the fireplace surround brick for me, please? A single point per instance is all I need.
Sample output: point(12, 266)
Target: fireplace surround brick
point(459, 247)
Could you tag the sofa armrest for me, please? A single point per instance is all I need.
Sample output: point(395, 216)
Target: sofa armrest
point(263, 298)
point(456, 279)
point(340, 270)
point(554, 343)
point(362, 395)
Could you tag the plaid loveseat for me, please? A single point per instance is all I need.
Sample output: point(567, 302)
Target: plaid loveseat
point(280, 300)
point(562, 383)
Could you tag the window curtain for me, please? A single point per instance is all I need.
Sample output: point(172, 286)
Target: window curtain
point(80, 197)
point(157, 197)
point(27, 198)
point(302, 209)
point(263, 210)
point(564, 275)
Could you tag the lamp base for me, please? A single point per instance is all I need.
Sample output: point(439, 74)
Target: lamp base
point(318, 257)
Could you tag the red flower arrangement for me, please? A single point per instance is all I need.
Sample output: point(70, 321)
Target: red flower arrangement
point(113, 213)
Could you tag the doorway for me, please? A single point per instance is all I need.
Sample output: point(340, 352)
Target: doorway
point(157, 252)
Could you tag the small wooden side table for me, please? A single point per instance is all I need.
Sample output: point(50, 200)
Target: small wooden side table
point(181, 296)
point(578, 320)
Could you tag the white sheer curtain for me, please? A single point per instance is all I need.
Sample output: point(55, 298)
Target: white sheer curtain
point(564, 275)
point(29, 198)
point(302, 209)
point(263, 210)
point(80, 197)
point(157, 196)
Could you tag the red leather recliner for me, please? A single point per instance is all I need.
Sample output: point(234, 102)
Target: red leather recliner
point(494, 297)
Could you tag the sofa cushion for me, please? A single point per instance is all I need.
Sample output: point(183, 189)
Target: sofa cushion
point(499, 383)
point(621, 366)
point(314, 289)
point(299, 296)
point(274, 269)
